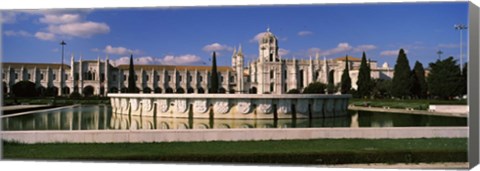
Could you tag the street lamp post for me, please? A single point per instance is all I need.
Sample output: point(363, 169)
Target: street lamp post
point(61, 68)
point(460, 27)
point(439, 53)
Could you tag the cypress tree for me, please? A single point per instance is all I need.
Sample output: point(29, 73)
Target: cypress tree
point(401, 82)
point(419, 85)
point(364, 80)
point(214, 76)
point(346, 81)
point(445, 80)
point(330, 85)
point(131, 77)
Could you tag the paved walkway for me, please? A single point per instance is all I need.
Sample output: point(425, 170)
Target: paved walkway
point(451, 165)
point(404, 111)
point(117, 136)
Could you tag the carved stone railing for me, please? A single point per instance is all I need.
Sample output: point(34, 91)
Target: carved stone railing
point(231, 106)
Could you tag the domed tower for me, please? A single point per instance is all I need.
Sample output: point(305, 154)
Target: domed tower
point(268, 47)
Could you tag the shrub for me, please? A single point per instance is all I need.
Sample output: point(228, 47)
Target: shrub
point(315, 88)
point(293, 91)
point(75, 95)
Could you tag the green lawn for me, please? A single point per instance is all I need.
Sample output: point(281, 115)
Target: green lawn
point(417, 104)
point(321, 151)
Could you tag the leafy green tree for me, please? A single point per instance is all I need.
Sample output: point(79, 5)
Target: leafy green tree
point(331, 85)
point(293, 91)
point(346, 81)
point(381, 88)
point(214, 77)
point(24, 89)
point(315, 88)
point(401, 82)
point(364, 80)
point(419, 85)
point(445, 80)
point(131, 77)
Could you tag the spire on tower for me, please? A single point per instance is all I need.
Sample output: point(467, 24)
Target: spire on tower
point(240, 50)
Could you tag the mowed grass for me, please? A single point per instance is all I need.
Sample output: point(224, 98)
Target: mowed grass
point(417, 104)
point(321, 151)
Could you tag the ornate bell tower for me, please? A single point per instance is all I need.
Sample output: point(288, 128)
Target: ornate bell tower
point(268, 47)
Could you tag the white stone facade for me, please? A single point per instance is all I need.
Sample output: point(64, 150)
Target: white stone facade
point(269, 74)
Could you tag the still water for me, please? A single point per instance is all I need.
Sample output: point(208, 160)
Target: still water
point(101, 118)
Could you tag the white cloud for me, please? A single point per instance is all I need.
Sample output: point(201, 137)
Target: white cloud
point(118, 50)
point(361, 48)
point(7, 17)
point(187, 59)
point(17, 33)
point(341, 48)
point(391, 52)
point(283, 52)
point(448, 46)
point(59, 19)
point(305, 33)
point(140, 60)
point(216, 47)
point(257, 37)
point(68, 23)
point(45, 36)
point(83, 29)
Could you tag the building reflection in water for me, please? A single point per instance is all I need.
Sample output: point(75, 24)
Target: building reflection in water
point(101, 118)
point(121, 121)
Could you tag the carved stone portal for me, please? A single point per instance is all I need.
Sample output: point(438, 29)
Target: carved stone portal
point(330, 105)
point(318, 105)
point(146, 103)
point(265, 106)
point(243, 106)
point(163, 105)
point(134, 103)
point(200, 106)
point(181, 105)
point(284, 106)
point(221, 106)
point(124, 104)
point(302, 106)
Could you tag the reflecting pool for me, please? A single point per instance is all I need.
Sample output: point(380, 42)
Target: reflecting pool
point(100, 117)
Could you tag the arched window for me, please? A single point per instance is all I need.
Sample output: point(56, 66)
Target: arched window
point(222, 90)
point(253, 90)
point(89, 75)
point(201, 90)
point(147, 90)
point(180, 90)
point(158, 90)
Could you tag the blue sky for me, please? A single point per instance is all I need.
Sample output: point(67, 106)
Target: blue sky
point(187, 36)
